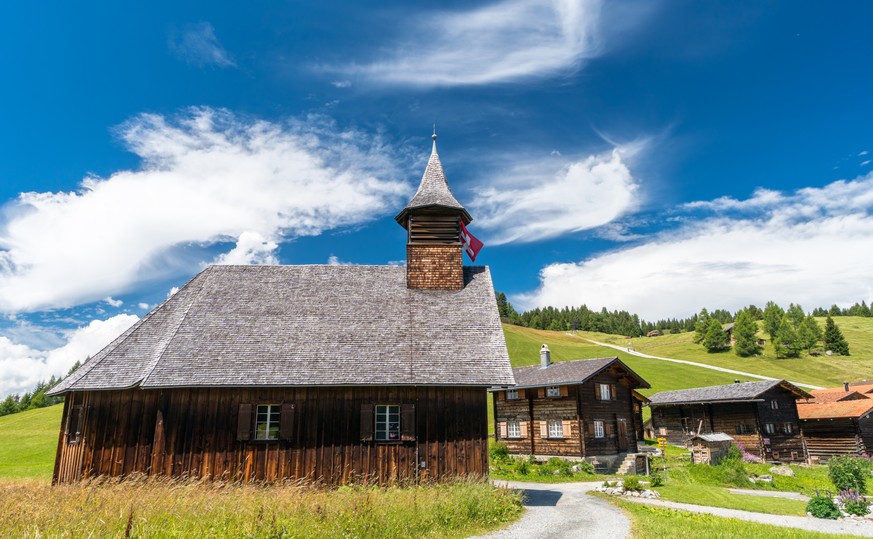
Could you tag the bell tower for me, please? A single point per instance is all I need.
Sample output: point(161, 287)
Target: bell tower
point(432, 219)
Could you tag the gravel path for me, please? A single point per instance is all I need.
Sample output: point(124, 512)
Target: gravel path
point(695, 364)
point(842, 527)
point(563, 510)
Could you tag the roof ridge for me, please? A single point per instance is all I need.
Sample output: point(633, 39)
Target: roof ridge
point(151, 368)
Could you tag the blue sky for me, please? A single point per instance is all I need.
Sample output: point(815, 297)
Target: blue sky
point(650, 156)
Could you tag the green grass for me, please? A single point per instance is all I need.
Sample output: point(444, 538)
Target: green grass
point(820, 370)
point(650, 522)
point(524, 344)
point(28, 441)
point(721, 497)
point(178, 508)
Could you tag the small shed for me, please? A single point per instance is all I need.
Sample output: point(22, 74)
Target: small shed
point(710, 448)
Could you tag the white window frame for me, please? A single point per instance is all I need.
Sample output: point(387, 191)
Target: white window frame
point(788, 428)
point(387, 428)
point(774, 404)
point(513, 428)
point(605, 392)
point(553, 391)
point(556, 428)
point(267, 421)
point(769, 428)
point(512, 394)
point(599, 429)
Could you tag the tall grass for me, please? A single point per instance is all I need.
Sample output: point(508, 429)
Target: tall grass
point(180, 508)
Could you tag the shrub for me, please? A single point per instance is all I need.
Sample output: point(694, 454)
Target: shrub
point(656, 479)
point(732, 472)
point(631, 482)
point(585, 467)
point(499, 451)
point(522, 467)
point(734, 454)
point(822, 506)
point(854, 503)
point(848, 473)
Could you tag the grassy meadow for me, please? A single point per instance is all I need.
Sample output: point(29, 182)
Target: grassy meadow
point(28, 441)
point(819, 370)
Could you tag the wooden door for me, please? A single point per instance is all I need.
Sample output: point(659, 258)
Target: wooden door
point(622, 435)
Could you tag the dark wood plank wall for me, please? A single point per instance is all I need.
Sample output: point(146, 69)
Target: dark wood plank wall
point(193, 432)
point(782, 446)
point(826, 438)
point(580, 406)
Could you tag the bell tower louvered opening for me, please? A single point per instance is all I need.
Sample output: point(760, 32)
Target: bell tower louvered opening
point(433, 221)
point(435, 230)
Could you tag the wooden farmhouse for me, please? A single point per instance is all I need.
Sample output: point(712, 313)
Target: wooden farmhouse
point(837, 422)
point(762, 416)
point(573, 409)
point(323, 372)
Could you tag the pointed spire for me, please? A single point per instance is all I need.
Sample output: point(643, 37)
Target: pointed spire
point(433, 191)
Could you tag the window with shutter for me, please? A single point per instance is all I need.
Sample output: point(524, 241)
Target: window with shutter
point(513, 429)
point(556, 428)
point(286, 422)
point(511, 394)
point(244, 422)
point(553, 391)
point(74, 424)
point(267, 419)
point(407, 422)
point(368, 422)
point(599, 431)
point(604, 392)
point(387, 423)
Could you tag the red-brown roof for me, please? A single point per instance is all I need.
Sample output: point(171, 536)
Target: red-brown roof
point(837, 394)
point(833, 410)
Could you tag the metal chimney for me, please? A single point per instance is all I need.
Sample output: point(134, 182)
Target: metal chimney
point(545, 356)
point(845, 385)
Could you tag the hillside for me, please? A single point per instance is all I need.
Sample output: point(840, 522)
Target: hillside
point(28, 441)
point(524, 344)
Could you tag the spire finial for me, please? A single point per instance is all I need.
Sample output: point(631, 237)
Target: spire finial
point(434, 138)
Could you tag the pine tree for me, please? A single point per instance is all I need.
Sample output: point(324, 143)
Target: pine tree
point(701, 326)
point(833, 338)
point(715, 338)
point(772, 318)
point(786, 341)
point(745, 335)
point(809, 333)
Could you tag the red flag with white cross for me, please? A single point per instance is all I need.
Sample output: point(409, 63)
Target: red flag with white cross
point(470, 243)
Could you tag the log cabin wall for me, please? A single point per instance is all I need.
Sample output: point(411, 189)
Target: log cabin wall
point(779, 425)
point(826, 438)
point(577, 407)
point(193, 432)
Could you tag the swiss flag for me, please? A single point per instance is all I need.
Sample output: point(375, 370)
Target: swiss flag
point(472, 246)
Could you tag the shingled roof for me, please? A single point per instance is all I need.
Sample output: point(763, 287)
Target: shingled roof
point(834, 410)
point(433, 191)
point(745, 391)
point(308, 325)
point(569, 372)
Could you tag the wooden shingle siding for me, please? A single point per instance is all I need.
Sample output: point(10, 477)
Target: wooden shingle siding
point(434, 267)
point(193, 432)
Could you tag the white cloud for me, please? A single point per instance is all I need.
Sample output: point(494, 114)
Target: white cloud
point(113, 302)
point(862, 153)
point(206, 177)
point(172, 291)
point(544, 198)
point(810, 247)
point(196, 44)
point(21, 367)
point(143, 305)
point(342, 83)
point(508, 40)
point(334, 260)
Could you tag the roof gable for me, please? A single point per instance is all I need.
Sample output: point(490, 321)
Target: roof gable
point(834, 410)
point(308, 325)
